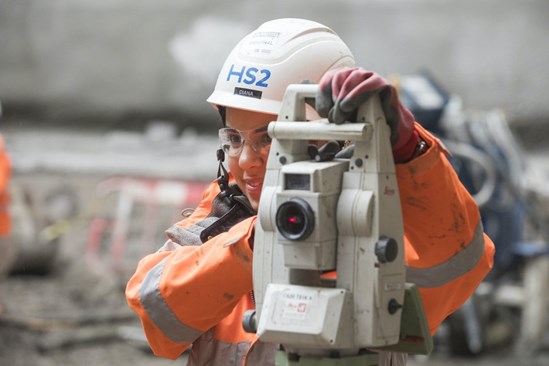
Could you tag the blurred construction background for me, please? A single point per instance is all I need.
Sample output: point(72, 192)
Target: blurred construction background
point(105, 120)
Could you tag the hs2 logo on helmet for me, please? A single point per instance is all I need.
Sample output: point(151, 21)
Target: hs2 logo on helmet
point(250, 75)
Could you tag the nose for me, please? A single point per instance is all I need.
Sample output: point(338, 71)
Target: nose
point(249, 158)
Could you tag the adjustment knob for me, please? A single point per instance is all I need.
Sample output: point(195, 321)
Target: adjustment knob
point(393, 306)
point(386, 249)
point(249, 321)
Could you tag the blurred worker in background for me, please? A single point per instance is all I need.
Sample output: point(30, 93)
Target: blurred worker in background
point(196, 288)
point(5, 173)
point(7, 252)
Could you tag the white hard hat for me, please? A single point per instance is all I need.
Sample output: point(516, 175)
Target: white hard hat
point(278, 53)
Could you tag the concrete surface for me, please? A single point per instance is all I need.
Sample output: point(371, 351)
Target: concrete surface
point(158, 152)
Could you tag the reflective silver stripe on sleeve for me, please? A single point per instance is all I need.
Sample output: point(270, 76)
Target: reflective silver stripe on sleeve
point(168, 246)
point(159, 311)
point(190, 235)
point(454, 267)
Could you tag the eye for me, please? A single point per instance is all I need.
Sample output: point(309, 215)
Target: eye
point(234, 138)
point(264, 140)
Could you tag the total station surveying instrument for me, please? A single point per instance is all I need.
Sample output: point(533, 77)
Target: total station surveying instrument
point(320, 213)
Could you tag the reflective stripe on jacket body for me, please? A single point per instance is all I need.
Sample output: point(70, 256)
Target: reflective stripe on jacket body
point(189, 294)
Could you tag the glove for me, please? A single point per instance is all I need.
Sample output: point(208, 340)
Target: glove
point(343, 90)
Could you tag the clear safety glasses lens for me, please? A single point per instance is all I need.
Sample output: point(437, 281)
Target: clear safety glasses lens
point(232, 141)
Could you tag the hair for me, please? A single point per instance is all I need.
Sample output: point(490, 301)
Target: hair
point(222, 113)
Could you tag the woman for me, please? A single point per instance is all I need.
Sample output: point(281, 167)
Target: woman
point(196, 288)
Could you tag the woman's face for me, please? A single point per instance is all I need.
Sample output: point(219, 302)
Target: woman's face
point(248, 167)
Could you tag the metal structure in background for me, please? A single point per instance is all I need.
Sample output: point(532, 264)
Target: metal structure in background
point(491, 164)
point(143, 209)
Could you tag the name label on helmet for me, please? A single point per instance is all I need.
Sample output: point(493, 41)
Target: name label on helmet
point(248, 92)
point(250, 75)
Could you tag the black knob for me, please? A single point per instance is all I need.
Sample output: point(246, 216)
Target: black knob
point(393, 306)
point(249, 321)
point(386, 249)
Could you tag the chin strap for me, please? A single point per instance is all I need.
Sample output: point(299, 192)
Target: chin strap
point(227, 190)
point(230, 191)
point(223, 176)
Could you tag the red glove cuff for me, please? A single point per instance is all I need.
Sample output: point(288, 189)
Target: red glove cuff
point(406, 151)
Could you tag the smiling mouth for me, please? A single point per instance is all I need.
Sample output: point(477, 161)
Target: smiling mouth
point(255, 185)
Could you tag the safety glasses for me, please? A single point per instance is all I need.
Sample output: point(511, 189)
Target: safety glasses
point(232, 140)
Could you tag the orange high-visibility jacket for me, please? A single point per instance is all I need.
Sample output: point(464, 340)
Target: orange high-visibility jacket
point(197, 294)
